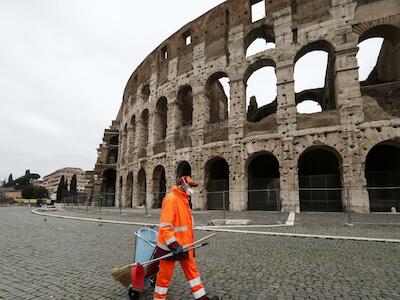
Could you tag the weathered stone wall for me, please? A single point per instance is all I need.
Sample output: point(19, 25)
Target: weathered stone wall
point(219, 41)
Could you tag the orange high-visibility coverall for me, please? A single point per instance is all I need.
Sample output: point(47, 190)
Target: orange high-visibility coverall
point(176, 226)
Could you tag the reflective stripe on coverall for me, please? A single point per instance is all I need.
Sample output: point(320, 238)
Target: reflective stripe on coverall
point(176, 225)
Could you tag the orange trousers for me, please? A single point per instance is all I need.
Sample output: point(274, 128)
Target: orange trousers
point(166, 271)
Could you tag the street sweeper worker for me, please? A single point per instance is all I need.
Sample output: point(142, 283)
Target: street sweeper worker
point(176, 231)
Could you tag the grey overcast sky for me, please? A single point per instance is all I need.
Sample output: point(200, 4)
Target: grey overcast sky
point(63, 68)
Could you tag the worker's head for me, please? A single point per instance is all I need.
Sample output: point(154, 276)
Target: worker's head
point(187, 184)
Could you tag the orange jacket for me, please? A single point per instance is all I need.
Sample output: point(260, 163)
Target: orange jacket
point(176, 221)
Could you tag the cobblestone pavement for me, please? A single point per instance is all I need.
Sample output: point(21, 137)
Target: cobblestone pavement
point(67, 259)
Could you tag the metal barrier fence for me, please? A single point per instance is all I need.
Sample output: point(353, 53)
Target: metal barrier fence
point(259, 202)
point(89, 202)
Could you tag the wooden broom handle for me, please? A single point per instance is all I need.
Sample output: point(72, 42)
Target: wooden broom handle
point(185, 249)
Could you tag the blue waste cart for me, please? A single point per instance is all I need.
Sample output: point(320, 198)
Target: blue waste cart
point(145, 245)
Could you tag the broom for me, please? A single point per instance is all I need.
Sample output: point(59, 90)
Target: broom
point(123, 274)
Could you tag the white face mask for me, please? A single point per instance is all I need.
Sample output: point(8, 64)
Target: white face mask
point(189, 191)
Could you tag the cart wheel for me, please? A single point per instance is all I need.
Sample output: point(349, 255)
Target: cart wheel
point(133, 295)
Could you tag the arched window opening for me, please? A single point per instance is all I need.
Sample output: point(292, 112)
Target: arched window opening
point(378, 56)
point(132, 132)
point(308, 107)
point(146, 92)
point(108, 188)
point(320, 181)
point(129, 190)
point(218, 91)
point(184, 169)
point(314, 75)
point(367, 56)
point(114, 140)
point(124, 142)
point(382, 171)
point(159, 186)
point(144, 136)
point(161, 119)
point(379, 72)
point(261, 93)
point(259, 45)
point(185, 106)
point(310, 71)
point(112, 156)
point(217, 179)
point(263, 183)
point(141, 188)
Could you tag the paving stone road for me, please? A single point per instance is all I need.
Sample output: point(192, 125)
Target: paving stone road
point(66, 259)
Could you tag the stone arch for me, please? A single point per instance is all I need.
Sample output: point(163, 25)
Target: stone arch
point(264, 32)
point(124, 141)
point(132, 132)
point(382, 174)
point(320, 184)
point(255, 111)
point(388, 63)
point(144, 130)
point(310, 96)
point(114, 140)
point(217, 183)
point(185, 106)
point(109, 181)
point(183, 169)
point(112, 156)
point(218, 100)
point(161, 119)
point(263, 184)
point(141, 188)
point(159, 186)
point(324, 96)
point(129, 190)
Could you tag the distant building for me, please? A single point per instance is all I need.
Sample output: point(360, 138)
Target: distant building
point(50, 182)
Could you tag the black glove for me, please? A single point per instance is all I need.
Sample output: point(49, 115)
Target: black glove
point(178, 249)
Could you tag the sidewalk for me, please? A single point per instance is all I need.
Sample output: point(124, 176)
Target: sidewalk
point(378, 226)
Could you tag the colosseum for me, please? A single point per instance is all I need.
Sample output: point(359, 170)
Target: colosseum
point(177, 117)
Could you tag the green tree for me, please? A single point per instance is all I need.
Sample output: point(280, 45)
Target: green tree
point(34, 192)
point(73, 187)
point(60, 189)
point(10, 182)
point(25, 180)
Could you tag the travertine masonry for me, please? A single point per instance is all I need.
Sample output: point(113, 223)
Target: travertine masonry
point(165, 126)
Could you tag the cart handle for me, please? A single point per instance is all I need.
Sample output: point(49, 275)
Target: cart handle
point(148, 242)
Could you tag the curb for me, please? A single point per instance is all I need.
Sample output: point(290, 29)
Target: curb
point(36, 212)
point(206, 228)
point(302, 235)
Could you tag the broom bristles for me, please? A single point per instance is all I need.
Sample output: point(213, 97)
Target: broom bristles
point(122, 275)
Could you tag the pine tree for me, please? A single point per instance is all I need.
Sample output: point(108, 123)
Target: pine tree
point(60, 189)
point(65, 192)
point(73, 186)
point(10, 182)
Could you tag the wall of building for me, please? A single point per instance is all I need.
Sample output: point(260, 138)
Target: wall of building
point(356, 119)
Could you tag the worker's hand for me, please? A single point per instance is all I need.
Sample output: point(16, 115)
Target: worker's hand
point(178, 249)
